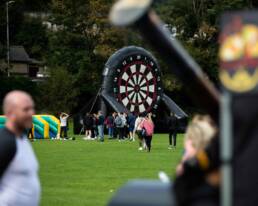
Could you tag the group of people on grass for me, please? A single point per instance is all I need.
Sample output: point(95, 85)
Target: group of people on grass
point(124, 126)
point(121, 126)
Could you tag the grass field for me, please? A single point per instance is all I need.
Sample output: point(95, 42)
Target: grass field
point(76, 173)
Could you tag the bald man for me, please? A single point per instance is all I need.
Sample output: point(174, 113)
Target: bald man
point(19, 182)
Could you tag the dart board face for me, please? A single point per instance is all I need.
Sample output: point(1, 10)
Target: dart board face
point(137, 83)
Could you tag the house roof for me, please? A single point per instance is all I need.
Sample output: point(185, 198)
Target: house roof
point(18, 54)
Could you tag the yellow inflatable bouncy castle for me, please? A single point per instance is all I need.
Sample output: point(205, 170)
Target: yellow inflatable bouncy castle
point(44, 126)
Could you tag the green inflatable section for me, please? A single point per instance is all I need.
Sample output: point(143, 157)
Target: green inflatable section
point(38, 128)
point(2, 121)
point(44, 126)
point(53, 126)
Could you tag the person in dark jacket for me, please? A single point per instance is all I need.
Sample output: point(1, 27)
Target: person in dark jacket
point(119, 123)
point(131, 123)
point(88, 125)
point(110, 125)
point(172, 126)
point(95, 126)
point(115, 130)
point(100, 126)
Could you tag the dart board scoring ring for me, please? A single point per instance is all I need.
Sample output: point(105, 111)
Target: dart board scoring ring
point(136, 79)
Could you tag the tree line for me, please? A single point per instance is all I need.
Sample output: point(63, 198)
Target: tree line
point(75, 39)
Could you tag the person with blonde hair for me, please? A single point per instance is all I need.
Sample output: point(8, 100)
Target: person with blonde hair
point(198, 135)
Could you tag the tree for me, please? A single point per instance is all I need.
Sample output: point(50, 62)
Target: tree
point(84, 41)
point(17, 83)
point(58, 92)
point(32, 35)
point(197, 23)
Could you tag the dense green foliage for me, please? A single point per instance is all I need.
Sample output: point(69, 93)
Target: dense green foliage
point(87, 173)
point(197, 23)
point(81, 39)
point(14, 83)
point(61, 92)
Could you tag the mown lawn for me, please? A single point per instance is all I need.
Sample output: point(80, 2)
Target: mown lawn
point(75, 173)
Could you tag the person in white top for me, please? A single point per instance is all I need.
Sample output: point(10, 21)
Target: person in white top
point(138, 130)
point(63, 125)
point(19, 181)
point(124, 120)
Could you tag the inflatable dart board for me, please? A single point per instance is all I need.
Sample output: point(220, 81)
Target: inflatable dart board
point(132, 76)
point(132, 83)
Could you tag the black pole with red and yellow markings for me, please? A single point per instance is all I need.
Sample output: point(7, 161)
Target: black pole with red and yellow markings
point(239, 78)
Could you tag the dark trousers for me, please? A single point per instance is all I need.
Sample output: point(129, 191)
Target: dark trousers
point(115, 132)
point(148, 142)
point(139, 133)
point(125, 131)
point(63, 132)
point(172, 135)
point(95, 131)
point(121, 132)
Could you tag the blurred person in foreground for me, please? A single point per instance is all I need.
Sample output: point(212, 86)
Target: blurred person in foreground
point(199, 133)
point(19, 181)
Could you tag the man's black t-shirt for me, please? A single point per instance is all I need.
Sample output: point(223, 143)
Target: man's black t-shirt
point(7, 149)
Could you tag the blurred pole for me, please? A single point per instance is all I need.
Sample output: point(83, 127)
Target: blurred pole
point(226, 151)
